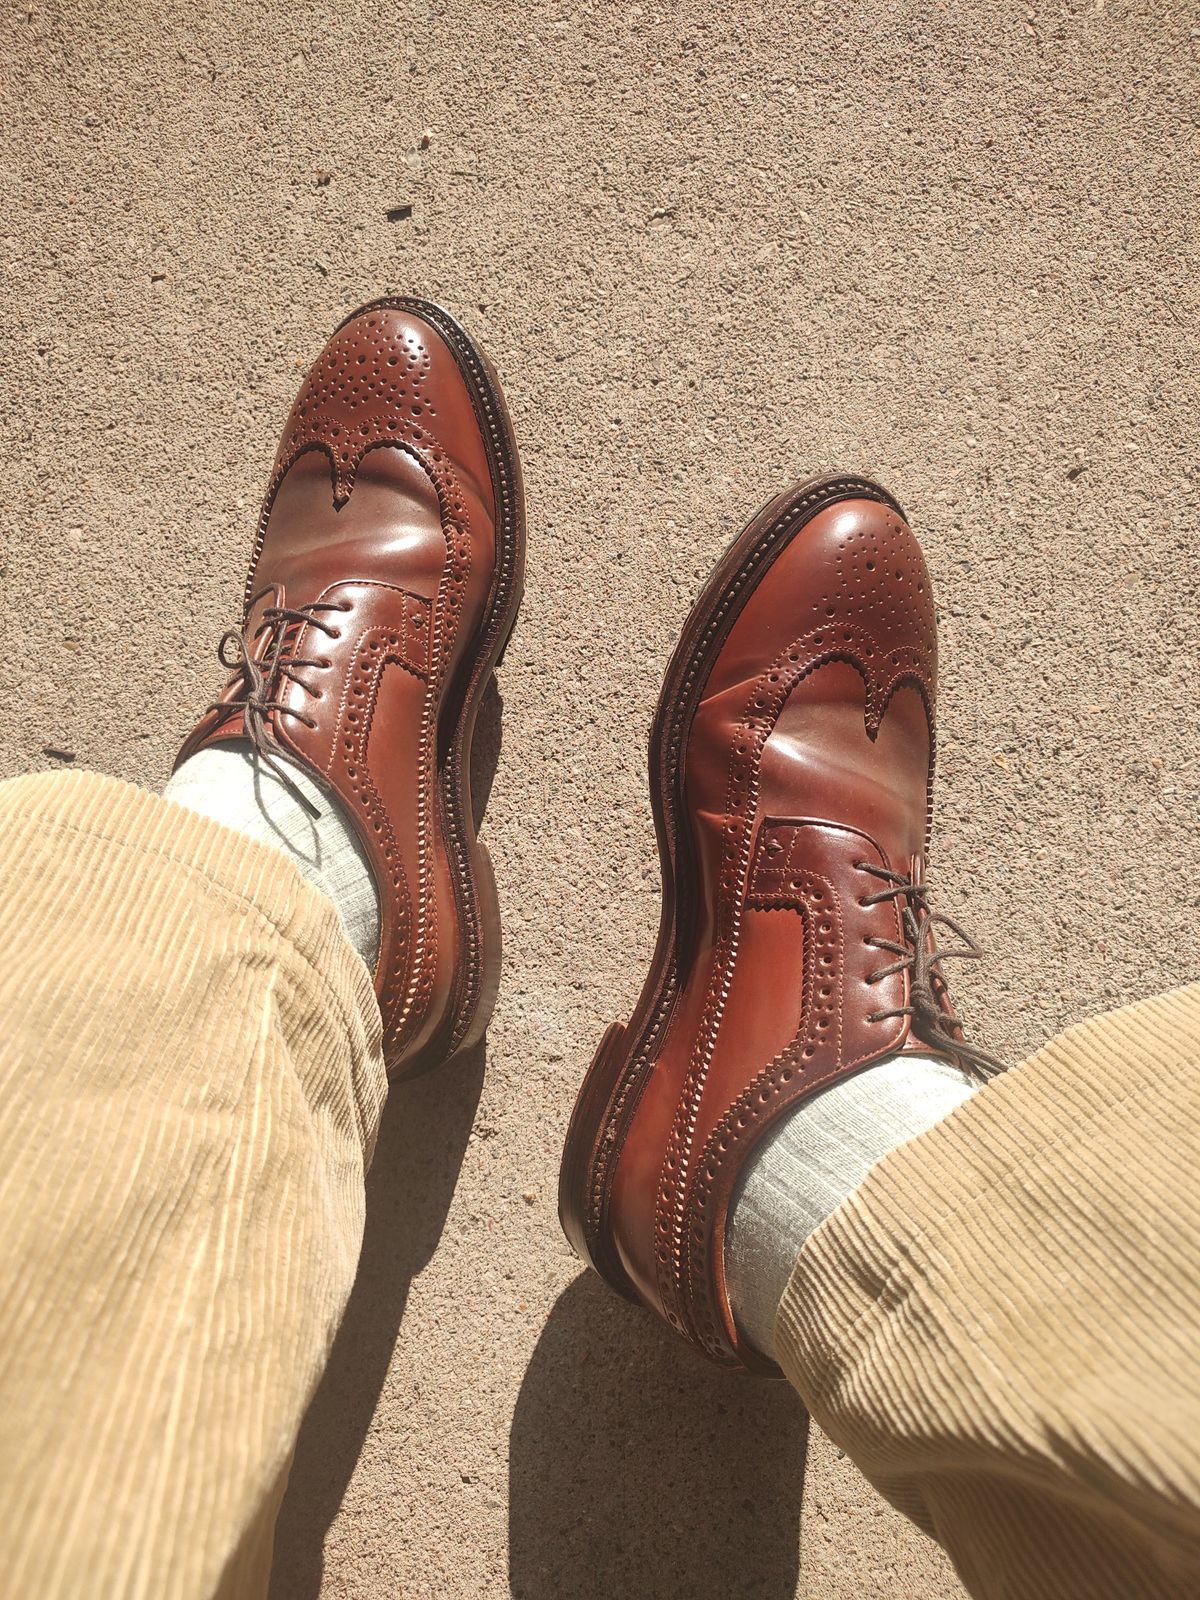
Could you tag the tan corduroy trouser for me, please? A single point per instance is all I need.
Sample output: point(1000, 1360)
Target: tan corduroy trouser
point(999, 1326)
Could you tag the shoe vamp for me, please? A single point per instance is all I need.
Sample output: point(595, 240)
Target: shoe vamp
point(389, 531)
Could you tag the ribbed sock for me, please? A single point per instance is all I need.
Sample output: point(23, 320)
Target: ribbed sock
point(232, 784)
point(811, 1161)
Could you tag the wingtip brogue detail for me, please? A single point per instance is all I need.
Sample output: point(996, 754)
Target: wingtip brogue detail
point(791, 762)
point(371, 387)
point(382, 588)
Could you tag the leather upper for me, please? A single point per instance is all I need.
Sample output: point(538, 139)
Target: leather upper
point(808, 760)
point(379, 524)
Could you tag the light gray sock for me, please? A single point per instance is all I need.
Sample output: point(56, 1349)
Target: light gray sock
point(232, 784)
point(812, 1160)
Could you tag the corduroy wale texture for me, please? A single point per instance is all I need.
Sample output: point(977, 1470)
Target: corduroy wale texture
point(998, 1325)
point(190, 1086)
point(1001, 1325)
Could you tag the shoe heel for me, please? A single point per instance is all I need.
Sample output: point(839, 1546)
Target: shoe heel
point(581, 1155)
point(492, 943)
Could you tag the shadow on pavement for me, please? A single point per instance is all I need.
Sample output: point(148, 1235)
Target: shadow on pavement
point(420, 1149)
point(635, 1468)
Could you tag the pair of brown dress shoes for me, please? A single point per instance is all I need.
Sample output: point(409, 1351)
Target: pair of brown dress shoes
point(790, 765)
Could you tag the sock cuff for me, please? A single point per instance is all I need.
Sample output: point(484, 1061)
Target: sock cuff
point(231, 784)
point(811, 1159)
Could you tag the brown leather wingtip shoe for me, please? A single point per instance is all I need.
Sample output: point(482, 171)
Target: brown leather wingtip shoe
point(383, 586)
point(790, 766)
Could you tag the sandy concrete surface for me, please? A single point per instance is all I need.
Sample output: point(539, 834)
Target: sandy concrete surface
point(710, 249)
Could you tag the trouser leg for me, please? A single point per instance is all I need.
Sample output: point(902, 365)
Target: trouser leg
point(1000, 1324)
point(190, 1085)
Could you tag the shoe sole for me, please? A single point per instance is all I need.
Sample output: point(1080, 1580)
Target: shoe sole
point(478, 976)
point(621, 1067)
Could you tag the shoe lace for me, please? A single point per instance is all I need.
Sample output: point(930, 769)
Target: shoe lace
point(921, 958)
point(262, 680)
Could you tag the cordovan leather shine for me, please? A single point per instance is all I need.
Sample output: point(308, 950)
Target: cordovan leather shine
point(393, 522)
point(791, 754)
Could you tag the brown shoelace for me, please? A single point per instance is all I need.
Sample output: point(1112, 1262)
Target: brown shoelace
point(920, 957)
point(262, 680)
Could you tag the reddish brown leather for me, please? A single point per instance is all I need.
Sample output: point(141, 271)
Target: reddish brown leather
point(810, 750)
point(382, 501)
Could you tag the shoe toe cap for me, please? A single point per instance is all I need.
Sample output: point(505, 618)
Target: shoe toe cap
point(389, 376)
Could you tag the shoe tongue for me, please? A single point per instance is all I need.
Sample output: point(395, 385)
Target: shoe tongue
point(271, 640)
point(260, 643)
point(915, 1045)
